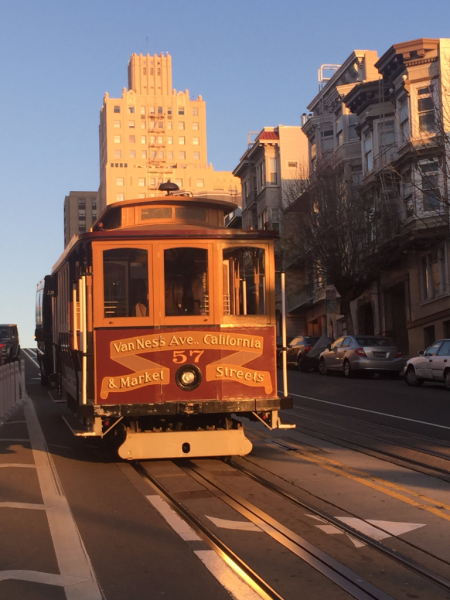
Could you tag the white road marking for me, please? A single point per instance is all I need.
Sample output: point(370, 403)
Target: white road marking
point(19, 465)
point(377, 530)
point(374, 412)
point(180, 526)
point(22, 505)
point(28, 355)
point(38, 577)
point(226, 576)
point(212, 561)
point(73, 561)
point(236, 525)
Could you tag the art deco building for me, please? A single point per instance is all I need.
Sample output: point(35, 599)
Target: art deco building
point(154, 134)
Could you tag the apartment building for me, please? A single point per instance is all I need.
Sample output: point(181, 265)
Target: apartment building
point(275, 160)
point(153, 134)
point(80, 212)
point(333, 142)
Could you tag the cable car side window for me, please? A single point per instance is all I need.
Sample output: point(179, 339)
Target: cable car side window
point(186, 283)
point(244, 281)
point(125, 282)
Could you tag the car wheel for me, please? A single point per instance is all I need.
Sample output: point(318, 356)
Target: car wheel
point(447, 379)
point(322, 367)
point(411, 377)
point(347, 369)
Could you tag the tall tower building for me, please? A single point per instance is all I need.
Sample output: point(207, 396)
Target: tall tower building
point(154, 134)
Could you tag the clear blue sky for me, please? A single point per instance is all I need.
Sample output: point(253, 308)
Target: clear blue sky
point(255, 63)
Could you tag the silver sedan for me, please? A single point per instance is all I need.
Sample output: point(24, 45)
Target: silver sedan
point(353, 353)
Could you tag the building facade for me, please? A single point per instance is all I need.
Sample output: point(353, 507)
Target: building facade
point(153, 134)
point(80, 212)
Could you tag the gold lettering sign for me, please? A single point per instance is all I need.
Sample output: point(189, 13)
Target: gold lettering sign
point(146, 372)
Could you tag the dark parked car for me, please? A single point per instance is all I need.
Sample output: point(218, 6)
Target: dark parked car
point(298, 348)
point(9, 341)
point(361, 353)
point(433, 364)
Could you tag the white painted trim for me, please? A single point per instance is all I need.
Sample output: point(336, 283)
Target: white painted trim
point(175, 521)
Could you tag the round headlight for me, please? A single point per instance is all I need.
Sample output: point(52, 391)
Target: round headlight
point(188, 377)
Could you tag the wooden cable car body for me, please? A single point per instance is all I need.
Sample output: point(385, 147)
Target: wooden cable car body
point(164, 327)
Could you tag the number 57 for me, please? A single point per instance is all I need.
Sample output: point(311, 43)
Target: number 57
point(179, 356)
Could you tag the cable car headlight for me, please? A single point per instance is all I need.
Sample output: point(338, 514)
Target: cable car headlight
point(188, 377)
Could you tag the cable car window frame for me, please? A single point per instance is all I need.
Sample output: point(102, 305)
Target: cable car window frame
point(100, 320)
point(269, 267)
point(188, 319)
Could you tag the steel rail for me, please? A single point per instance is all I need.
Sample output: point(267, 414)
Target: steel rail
point(385, 550)
point(345, 578)
point(239, 566)
point(433, 471)
point(385, 428)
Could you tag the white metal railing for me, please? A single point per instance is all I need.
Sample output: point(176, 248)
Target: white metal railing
point(12, 387)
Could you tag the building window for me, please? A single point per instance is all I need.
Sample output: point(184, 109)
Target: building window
point(273, 179)
point(200, 183)
point(82, 228)
point(152, 124)
point(94, 215)
point(153, 154)
point(81, 203)
point(152, 139)
point(161, 154)
point(160, 124)
point(132, 139)
point(195, 112)
point(181, 141)
point(386, 131)
point(117, 139)
point(195, 126)
point(169, 124)
point(143, 139)
point(170, 140)
point(292, 164)
point(196, 155)
point(181, 125)
point(117, 153)
point(152, 110)
point(196, 141)
point(94, 204)
point(153, 182)
point(120, 197)
point(160, 110)
point(142, 110)
point(131, 109)
point(117, 124)
point(141, 195)
point(430, 186)
point(179, 183)
point(404, 119)
point(425, 109)
point(407, 194)
point(368, 154)
point(117, 109)
point(339, 129)
point(181, 111)
point(169, 111)
point(170, 154)
point(160, 139)
point(143, 125)
point(141, 182)
point(433, 270)
point(120, 181)
point(131, 124)
point(183, 155)
point(132, 153)
point(144, 154)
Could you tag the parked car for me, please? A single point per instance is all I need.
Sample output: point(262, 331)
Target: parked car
point(9, 341)
point(298, 348)
point(353, 353)
point(432, 364)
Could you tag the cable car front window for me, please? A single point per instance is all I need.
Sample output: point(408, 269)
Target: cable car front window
point(244, 281)
point(186, 282)
point(125, 282)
